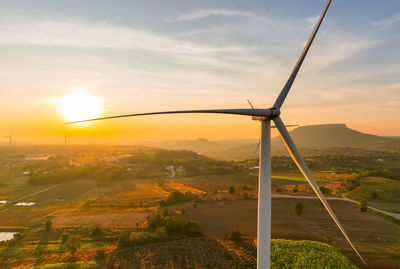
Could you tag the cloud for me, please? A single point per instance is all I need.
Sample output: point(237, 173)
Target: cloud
point(387, 21)
point(77, 33)
point(204, 13)
point(337, 48)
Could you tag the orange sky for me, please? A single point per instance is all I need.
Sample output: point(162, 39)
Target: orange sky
point(195, 56)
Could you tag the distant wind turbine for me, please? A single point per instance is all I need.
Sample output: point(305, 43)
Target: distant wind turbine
point(9, 138)
point(265, 116)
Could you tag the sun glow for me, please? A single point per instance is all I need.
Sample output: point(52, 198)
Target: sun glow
point(79, 106)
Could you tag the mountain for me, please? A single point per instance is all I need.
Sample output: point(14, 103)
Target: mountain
point(306, 137)
point(332, 135)
point(214, 149)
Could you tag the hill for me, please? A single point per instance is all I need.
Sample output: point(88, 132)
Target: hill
point(312, 136)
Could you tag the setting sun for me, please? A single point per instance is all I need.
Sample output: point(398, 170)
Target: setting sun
point(79, 106)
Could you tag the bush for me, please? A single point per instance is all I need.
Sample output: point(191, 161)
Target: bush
point(231, 190)
point(73, 243)
point(325, 190)
point(141, 238)
point(64, 237)
point(174, 224)
point(192, 228)
point(363, 206)
point(100, 255)
point(176, 197)
point(374, 195)
point(96, 232)
point(306, 254)
point(235, 235)
point(298, 209)
point(48, 225)
point(123, 240)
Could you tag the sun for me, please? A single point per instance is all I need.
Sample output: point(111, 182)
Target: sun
point(79, 106)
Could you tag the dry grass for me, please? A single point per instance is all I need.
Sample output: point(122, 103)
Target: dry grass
point(183, 188)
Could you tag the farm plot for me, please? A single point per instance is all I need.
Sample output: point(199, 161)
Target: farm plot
point(376, 238)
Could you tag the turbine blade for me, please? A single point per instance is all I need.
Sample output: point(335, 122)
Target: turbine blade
point(248, 101)
point(243, 112)
point(307, 174)
point(257, 147)
point(281, 98)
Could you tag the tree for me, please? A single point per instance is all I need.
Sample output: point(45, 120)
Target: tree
point(100, 255)
point(124, 240)
point(64, 237)
point(48, 225)
point(235, 235)
point(298, 209)
point(231, 190)
point(96, 232)
point(363, 206)
point(192, 228)
point(374, 195)
point(73, 243)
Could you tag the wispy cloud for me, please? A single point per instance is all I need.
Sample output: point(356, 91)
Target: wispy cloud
point(387, 21)
point(76, 33)
point(204, 13)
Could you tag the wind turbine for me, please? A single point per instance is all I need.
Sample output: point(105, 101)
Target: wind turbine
point(265, 116)
point(9, 138)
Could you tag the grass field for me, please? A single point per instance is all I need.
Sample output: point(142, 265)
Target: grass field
point(375, 237)
point(182, 187)
point(388, 192)
point(209, 184)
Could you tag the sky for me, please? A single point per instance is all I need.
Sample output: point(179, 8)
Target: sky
point(140, 56)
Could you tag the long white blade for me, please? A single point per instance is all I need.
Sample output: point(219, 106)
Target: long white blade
point(307, 174)
point(237, 111)
point(281, 98)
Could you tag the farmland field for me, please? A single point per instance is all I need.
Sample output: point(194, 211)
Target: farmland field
point(375, 237)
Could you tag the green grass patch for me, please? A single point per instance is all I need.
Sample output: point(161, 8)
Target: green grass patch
point(67, 265)
point(378, 190)
point(306, 254)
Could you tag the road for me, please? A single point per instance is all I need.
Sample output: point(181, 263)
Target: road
point(391, 214)
point(30, 195)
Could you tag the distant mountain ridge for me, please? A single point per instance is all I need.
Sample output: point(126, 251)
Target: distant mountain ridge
point(311, 136)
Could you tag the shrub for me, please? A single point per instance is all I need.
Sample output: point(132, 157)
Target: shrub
point(235, 235)
point(192, 228)
point(123, 240)
point(96, 232)
point(73, 243)
point(100, 255)
point(363, 206)
point(245, 196)
point(298, 209)
point(374, 195)
point(306, 254)
point(141, 238)
point(231, 190)
point(64, 237)
point(174, 224)
point(176, 197)
point(48, 225)
point(325, 190)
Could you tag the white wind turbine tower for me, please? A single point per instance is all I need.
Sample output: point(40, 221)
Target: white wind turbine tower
point(9, 138)
point(265, 116)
